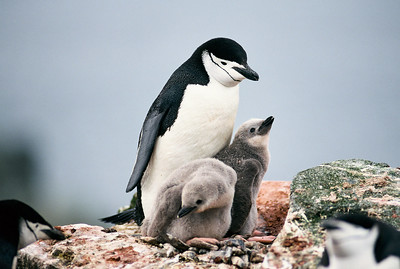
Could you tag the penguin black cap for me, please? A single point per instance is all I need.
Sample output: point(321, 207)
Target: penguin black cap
point(230, 50)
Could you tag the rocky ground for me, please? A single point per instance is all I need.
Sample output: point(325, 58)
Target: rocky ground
point(315, 194)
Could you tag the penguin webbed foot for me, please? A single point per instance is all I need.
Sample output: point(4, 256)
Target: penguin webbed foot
point(261, 237)
point(204, 243)
point(175, 242)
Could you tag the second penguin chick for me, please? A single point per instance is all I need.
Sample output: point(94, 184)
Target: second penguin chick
point(249, 156)
point(196, 201)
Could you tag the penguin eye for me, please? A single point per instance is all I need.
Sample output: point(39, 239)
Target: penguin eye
point(252, 130)
point(223, 63)
point(199, 202)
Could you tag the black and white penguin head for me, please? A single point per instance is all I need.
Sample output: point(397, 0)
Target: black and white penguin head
point(354, 240)
point(212, 188)
point(31, 231)
point(22, 225)
point(255, 132)
point(349, 235)
point(225, 61)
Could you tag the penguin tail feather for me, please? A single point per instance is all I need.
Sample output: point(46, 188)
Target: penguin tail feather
point(121, 218)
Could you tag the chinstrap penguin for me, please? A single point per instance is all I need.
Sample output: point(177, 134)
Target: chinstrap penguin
point(192, 118)
point(249, 156)
point(358, 241)
point(20, 226)
point(195, 201)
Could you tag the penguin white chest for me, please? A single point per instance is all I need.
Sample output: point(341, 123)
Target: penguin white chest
point(203, 127)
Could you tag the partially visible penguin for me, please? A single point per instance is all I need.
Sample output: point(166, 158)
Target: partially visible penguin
point(192, 118)
point(21, 225)
point(249, 156)
point(200, 194)
point(358, 241)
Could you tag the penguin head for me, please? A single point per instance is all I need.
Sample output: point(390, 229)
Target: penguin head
point(225, 61)
point(349, 235)
point(211, 188)
point(255, 132)
point(22, 225)
point(31, 231)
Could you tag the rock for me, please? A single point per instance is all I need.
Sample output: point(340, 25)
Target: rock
point(188, 256)
point(323, 191)
point(316, 194)
point(273, 205)
point(238, 262)
point(87, 245)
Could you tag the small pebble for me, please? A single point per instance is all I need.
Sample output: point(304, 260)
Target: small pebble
point(217, 256)
point(170, 250)
point(228, 254)
point(250, 244)
point(237, 251)
point(256, 257)
point(189, 256)
point(238, 262)
point(202, 251)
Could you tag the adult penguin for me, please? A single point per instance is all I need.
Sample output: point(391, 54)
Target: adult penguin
point(192, 118)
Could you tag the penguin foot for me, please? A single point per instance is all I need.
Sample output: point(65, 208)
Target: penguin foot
point(204, 243)
point(265, 239)
point(176, 242)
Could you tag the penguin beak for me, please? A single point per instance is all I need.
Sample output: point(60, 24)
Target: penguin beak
point(265, 127)
point(247, 72)
point(185, 210)
point(54, 234)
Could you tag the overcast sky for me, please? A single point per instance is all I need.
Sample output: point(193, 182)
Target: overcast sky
point(77, 79)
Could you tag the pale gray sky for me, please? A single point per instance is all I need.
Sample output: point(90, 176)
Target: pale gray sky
point(77, 79)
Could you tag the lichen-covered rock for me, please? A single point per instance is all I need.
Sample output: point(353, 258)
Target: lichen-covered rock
point(323, 191)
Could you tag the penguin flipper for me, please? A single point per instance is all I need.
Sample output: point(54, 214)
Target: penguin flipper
point(242, 201)
point(148, 137)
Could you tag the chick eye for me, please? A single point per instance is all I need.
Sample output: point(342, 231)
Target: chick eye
point(223, 63)
point(199, 202)
point(252, 130)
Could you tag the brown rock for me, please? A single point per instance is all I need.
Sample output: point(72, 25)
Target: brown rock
point(273, 205)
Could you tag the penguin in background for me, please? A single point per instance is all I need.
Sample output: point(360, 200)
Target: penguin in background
point(20, 226)
point(249, 156)
point(358, 241)
point(192, 118)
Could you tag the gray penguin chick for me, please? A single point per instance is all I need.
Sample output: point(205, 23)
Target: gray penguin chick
point(249, 156)
point(195, 201)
